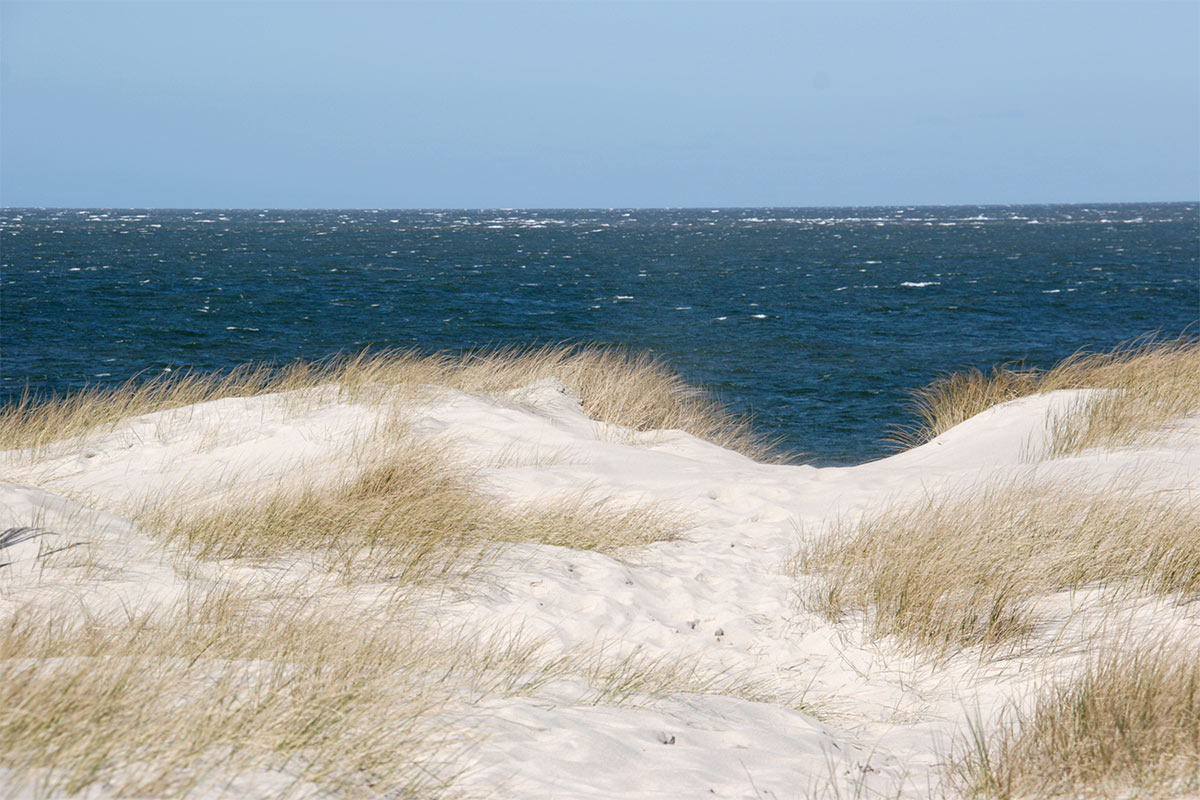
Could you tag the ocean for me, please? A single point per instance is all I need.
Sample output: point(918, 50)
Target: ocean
point(817, 321)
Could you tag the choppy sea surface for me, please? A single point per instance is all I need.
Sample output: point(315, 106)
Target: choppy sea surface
point(816, 320)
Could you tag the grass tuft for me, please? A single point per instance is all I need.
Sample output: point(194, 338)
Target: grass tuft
point(637, 678)
point(1148, 383)
point(582, 522)
point(34, 422)
point(1128, 726)
point(224, 688)
point(154, 707)
point(408, 514)
point(965, 568)
point(613, 385)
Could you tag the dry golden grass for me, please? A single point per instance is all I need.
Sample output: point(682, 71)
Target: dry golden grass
point(581, 521)
point(408, 514)
point(408, 517)
point(637, 391)
point(636, 678)
point(35, 422)
point(1148, 383)
point(223, 686)
point(965, 568)
point(154, 707)
point(633, 390)
point(179, 701)
point(182, 700)
point(1129, 726)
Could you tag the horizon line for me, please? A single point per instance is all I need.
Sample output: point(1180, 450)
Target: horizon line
point(591, 208)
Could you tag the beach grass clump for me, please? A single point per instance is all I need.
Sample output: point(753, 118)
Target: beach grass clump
point(33, 422)
point(1127, 726)
point(224, 689)
point(408, 513)
point(581, 521)
point(1143, 386)
point(634, 390)
point(965, 568)
point(409, 516)
point(635, 678)
point(169, 705)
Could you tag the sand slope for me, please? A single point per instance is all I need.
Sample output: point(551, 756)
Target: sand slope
point(830, 711)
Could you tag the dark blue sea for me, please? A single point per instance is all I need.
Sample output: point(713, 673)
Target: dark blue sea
point(818, 321)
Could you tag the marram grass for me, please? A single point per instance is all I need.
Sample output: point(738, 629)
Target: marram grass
point(965, 568)
point(225, 687)
point(1142, 386)
point(613, 385)
point(177, 702)
point(155, 707)
point(408, 514)
point(1127, 726)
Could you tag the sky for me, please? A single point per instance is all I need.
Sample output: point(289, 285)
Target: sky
point(596, 104)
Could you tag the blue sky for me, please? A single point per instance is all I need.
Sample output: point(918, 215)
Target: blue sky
point(578, 104)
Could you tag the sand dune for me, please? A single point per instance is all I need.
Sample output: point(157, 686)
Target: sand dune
point(545, 656)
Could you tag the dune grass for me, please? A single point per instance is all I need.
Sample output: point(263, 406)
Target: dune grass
point(281, 694)
point(1146, 384)
point(282, 689)
point(613, 385)
point(407, 513)
point(1128, 726)
point(223, 687)
point(965, 568)
point(33, 421)
point(154, 707)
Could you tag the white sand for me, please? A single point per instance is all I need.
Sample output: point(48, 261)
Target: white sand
point(880, 721)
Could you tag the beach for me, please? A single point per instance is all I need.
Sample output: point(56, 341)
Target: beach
point(631, 613)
